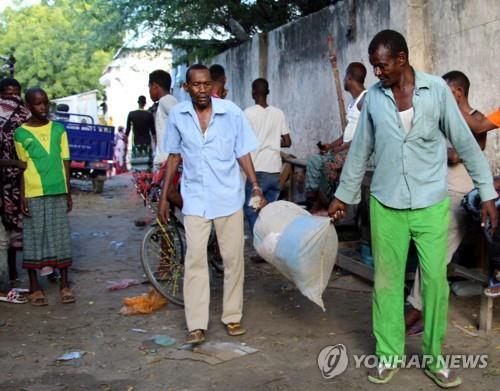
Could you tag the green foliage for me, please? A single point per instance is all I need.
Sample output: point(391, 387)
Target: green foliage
point(61, 45)
point(204, 27)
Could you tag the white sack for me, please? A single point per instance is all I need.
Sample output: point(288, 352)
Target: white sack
point(301, 246)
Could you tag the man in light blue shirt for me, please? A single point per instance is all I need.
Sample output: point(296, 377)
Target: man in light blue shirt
point(214, 140)
point(405, 121)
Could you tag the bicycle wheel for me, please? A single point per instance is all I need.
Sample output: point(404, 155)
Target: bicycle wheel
point(162, 257)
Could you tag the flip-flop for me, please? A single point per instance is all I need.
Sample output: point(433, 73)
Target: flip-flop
point(444, 378)
point(14, 297)
point(235, 329)
point(67, 296)
point(381, 374)
point(195, 337)
point(38, 299)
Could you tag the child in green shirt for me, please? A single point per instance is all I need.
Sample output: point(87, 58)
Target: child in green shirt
point(46, 197)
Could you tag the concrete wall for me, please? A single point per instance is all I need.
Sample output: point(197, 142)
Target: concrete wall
point(242, 67)
point(442, 35)
point(465, 35)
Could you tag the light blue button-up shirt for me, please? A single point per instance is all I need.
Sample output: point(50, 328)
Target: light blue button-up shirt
point(212, 185)
point(410, 168)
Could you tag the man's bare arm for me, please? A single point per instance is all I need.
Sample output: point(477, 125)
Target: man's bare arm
point(247, 166)
point(286, 141)
point(478, 123)
point(453, 157)
point(173, 162)
point(67, 172)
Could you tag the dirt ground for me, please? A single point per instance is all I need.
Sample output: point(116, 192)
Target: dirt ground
point(287, 329)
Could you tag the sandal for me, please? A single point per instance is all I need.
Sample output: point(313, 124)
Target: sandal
point(67, 296)
point(14, 297)
point(235, 329)
point(38, 299)
point(382, 374)
point(444, 378)
point(195, 337)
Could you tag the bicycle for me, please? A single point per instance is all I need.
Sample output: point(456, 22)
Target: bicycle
point(164, 245)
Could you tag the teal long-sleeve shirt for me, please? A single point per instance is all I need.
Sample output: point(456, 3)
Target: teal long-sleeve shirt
point(411, 168)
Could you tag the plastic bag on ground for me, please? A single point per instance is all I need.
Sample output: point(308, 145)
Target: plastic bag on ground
point(301, 246)
point(144, 304)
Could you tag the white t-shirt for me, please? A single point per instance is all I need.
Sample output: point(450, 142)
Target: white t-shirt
point(352, 119)
point(161, 118)
point(269, 124)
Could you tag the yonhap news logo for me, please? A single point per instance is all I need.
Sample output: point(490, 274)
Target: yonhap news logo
point(333, 360)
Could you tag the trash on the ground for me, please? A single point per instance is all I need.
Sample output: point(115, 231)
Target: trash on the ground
point(163, 340)
point(2, 323)
point(212, 353)
point(75, 235)
point(91, 303)
point(116, 245)
point(492, 372)
point(464, 329)
point(466, 288)
point(121, 284)
point(301, 246)
point(99, 234)
point(149, 347)
point(139, 330)
point(71, 356)
point(143, 304)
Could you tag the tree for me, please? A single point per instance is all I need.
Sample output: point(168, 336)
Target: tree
point(207, 27)
point(61, 45)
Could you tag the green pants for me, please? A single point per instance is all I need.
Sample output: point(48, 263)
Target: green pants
point(392, 230)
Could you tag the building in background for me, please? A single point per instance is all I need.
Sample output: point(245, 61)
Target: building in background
point(126, 77)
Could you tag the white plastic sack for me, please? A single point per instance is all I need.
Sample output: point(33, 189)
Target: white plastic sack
point(301, 246)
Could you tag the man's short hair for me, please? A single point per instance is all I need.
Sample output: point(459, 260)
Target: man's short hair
point(162, 78)
point(357, 71)
point(260, 85)
point(9, 82)
point(217, 72)
point(141, 100)
point(32, 91)
point(459, 79)
point(195, 67)
point(391, 40)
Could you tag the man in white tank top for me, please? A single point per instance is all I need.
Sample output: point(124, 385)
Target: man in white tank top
point(323, 170)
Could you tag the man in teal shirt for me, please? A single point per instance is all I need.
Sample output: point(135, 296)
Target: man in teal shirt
point(406, 118)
